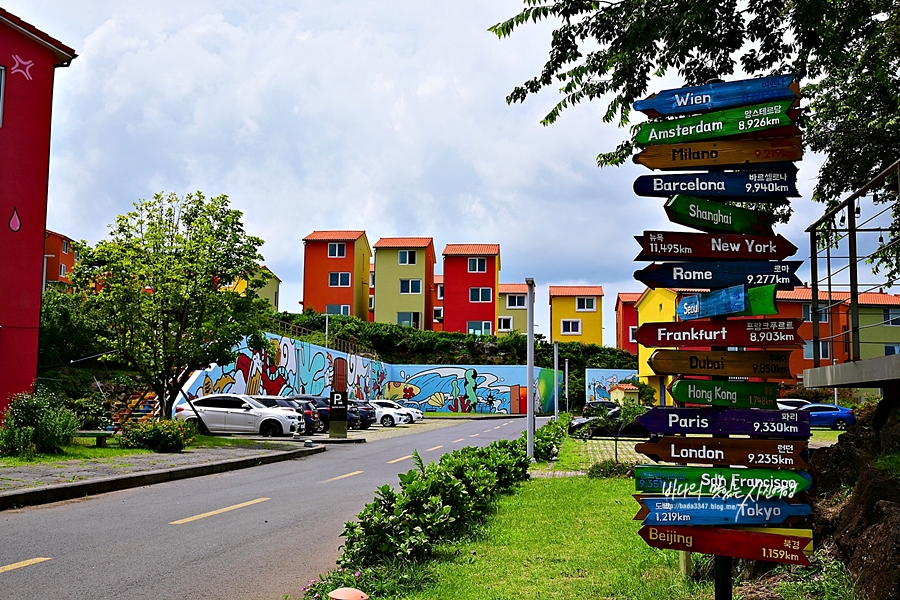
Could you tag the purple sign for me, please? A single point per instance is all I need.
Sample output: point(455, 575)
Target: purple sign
point(716, 421)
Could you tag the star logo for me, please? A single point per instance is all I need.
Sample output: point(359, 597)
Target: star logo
point(22, 66)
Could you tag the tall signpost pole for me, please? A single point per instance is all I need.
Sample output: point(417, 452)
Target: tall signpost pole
point(567, 385)
point(529, 375)
point(556, 379)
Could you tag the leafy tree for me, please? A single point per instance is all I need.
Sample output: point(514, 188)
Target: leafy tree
point(646, 393)
point(617, 420)
point(70, 329)
point(161, 283)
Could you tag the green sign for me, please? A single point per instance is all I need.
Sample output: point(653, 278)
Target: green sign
point(760, 302)
point(739, 394)
point(717, 124)
point(712, 217)
point(723, 482)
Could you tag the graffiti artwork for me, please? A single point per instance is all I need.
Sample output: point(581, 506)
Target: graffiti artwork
point(598, 382)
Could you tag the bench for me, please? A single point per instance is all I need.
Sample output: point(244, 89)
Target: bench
point(100, 436)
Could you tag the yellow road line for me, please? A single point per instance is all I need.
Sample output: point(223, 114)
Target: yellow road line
point(435, 448)
point(218, 512)
point(24, 563)
point(459, 440)
point(396, 460)
point(341, 477)
point(475, 435)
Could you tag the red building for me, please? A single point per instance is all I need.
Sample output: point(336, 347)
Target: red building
point(59, 258)
point(627, 321)
point(437, 301)
point(29, 58)
point(471, 282)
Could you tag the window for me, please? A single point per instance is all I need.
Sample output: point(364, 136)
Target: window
point(410, 319)
point(631, 331)
point(807, 311)
point(371, 301)
point(891, 349)
point(586, 304)
point(439, 314)
point(62, 270)
point(337, 309)
point(515, 301)
point(337, 250)
point(892, 316)
point(478, 327)
point(339, 279)
point(477, 265)
point(65, 246)
point(407, 257)
point(504, 324)
point(371, 279)
point(571, 326)
point(808, 350)
point(480, 294)
point(410, 286)
point(440, 291)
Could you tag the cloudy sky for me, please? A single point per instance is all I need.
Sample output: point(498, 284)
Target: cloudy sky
point(346, 114)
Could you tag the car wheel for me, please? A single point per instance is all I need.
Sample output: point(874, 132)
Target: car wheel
point(270, 429)
point(387, 421)
point(840, 425)
point(365, 425)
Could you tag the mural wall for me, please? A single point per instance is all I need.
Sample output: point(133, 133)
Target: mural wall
point(597, 382)
point(288, 366)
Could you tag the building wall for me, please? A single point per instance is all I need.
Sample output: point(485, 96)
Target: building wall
point(316, 268)
point(655, 306)
point(519, 315)
point(58, 251)
point(838, 351)
point(564, 308)
point(388, 273)
point(626, 318)
point(873, 334)
point(360, 284)
point(458, 310)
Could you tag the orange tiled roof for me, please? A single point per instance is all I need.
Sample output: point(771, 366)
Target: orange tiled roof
point(805, 293)
point(626, 387)
point(439, 279)
point(629, 296)
point(879, 299)
point(471, 250)
point(404, 242)
point(340, 235)
point(576, 290)
point(513, 288)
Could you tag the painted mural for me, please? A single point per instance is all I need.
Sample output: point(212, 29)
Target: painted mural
point(599, 381)
point(287, 366)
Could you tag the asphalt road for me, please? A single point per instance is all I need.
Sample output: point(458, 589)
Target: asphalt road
point(281, 530)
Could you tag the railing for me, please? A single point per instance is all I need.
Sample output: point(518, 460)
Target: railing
point(295, 331)
point(844, 236)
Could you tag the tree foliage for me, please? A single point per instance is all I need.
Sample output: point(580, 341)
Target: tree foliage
point(160, 283)
point(70, 329)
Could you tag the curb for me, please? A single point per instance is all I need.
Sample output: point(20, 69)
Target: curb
point(67, 491)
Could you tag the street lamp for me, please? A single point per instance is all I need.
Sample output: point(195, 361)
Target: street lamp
point(530, 370)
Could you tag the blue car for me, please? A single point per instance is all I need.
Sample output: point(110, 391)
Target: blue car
point(829, 415)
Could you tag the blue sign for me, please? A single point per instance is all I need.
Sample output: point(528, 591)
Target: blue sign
point(720, 302)
point(717, 511)
point(768, 186)
point(714, 96)
point(717, 275)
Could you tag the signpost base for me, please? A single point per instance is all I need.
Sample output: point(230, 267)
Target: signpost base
point(723, 577)
point(684, 564)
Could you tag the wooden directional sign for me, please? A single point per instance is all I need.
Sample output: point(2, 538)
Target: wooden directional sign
point(689, 156)
point(773, 364)
point(735, 301)
point(718, 124)
point(722, 482)
point(736, 543)
point(773, 454)
point(675, 245)
point(719, 95)
point(727, 421)
point(656, 510)
point(712, 216)
point(717, 275)
point(745, 185)
point(755, 333)
point(737, 394)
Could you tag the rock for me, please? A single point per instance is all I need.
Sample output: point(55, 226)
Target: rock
point(876, 562)
point(840, 465)
point(859, 514)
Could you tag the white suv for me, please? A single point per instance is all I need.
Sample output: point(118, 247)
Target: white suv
point(389, 416)
point(236, 413)
point(414, 413)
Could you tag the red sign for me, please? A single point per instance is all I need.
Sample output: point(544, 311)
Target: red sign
point(735, 543)
point(677, 245)
point(755, 333)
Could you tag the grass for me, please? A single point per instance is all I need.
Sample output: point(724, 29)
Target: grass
point(566, 539)
point(824, 435)
point(889, 463)
point(825, 579)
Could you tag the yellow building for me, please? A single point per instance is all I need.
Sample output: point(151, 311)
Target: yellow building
point(655, 306)
point(268, 291)
point(576, 314)
point(513, 311)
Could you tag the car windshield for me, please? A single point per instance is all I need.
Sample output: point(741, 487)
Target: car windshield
point(252, 402)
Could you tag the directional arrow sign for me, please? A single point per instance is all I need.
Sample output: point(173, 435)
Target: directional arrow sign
point(718, 124)
point(773, 364)
point(719, 95)
point(720, 481)
point(731, 153)
point(738, 300)
point(717, 275)
point(768, 186)
point(727, 421)
point(756, 333)
point(711, 216)
point(773, 454)
point(674, 245)
point(737, 394)
point(735, 543)
point(716, 511)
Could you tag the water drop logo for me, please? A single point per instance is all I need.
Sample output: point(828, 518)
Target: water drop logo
point(15, 224)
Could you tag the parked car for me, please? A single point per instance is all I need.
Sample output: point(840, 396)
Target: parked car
point(792, 403)
point(414, 413)
point(310, 415)
point(305, 408)
point(592, 404)
point(588, 427)
point(366, 413)
point(389, 416)
point(829, 415)
point(283, 404)
point(323, 405)
point(236, 413)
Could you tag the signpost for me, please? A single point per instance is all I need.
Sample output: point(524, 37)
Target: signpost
point(717, 124)
point(727, 421)
point(718, 95)
point(773, 454)
point(737, 394)
point(711, 216)
point(656, 510)
point(716, 275)
point(720, 154)
point(727, 363)
point(756, 333)
point(735, 301)
point(767, 186)
point(674, 245)
point(736, 543)
point(720, 481)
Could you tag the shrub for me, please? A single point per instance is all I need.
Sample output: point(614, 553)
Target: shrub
point(171, 435)
point(26, 410)
point(390, 580)
point(609, 468)
point(17, 441)
point(37, 422)
point(55, 430)
point(548, 439)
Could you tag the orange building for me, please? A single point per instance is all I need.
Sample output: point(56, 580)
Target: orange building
point(336, 267)
point(59, 258)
